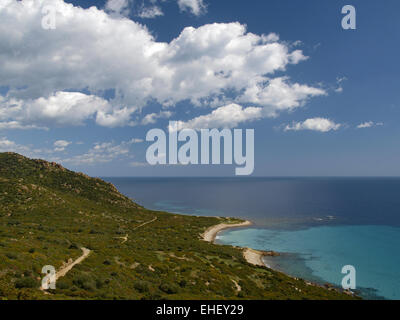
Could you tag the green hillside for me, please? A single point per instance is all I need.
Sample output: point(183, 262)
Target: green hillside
point(48, 213)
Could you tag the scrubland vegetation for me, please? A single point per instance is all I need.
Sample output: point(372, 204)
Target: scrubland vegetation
point(48, 213)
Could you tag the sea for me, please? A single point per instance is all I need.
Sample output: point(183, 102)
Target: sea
point(318, 225)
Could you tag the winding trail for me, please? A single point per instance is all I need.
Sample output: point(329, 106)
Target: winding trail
point(237, 286)
point(125, 239)
point(143, 224)
point(86, 252)
point(64, 270)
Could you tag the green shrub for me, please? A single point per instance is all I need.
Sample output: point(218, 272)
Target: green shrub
point(141, 286)
point(74, 288)
point(99, 283)
point(26, 283)
point(169, 288)
point(153, 296)
point(89, 285)
point(62, 285)
point(11, 256)
point(73, 246)
point(85, 282)
point(27, 273)
point(182, 283)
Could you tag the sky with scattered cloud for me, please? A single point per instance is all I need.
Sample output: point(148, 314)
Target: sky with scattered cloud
point(85, 93)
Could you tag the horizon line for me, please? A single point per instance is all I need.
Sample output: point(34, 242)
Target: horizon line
point(255, 177)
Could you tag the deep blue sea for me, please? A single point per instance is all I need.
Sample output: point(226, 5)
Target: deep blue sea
point(318, 224)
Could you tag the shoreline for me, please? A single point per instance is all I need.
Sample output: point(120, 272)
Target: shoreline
point(211, 233)
point(255, 257)
point(252, 256)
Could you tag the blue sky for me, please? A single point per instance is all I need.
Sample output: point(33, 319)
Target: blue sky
point(323, 101)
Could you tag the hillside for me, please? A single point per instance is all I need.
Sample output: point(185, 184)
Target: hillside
point(48, 213)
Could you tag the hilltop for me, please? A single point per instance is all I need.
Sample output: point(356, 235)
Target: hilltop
point(48, 214)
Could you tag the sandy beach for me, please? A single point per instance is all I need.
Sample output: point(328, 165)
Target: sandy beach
point(252, 256)
point(211, 233)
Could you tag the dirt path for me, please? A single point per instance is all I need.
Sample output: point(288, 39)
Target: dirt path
point(125, 239)
point(143, 224)
point(66, 268)
point(63, 271)
point(237, 286)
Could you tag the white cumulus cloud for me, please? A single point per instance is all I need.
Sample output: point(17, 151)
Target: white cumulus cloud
point(59, 77)
point(278, 94)
point(103, 152)
point(120, 7)
point(228, 116)
point(153, 117)
point(314, 124)
point(7, 145)
point(197, 7)
point(150, 12)
point(369, 124)
point(60, 109)
point(10, 146)
point(60, 145)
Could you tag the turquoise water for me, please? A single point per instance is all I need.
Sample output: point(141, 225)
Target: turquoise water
point(319, 253)
point(320, 224)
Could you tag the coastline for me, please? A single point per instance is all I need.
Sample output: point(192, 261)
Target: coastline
point(252, 256)
point(211, 233)
point(255, 257)
point(178, 237)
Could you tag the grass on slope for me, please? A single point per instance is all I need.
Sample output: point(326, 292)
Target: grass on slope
point(47, 213)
